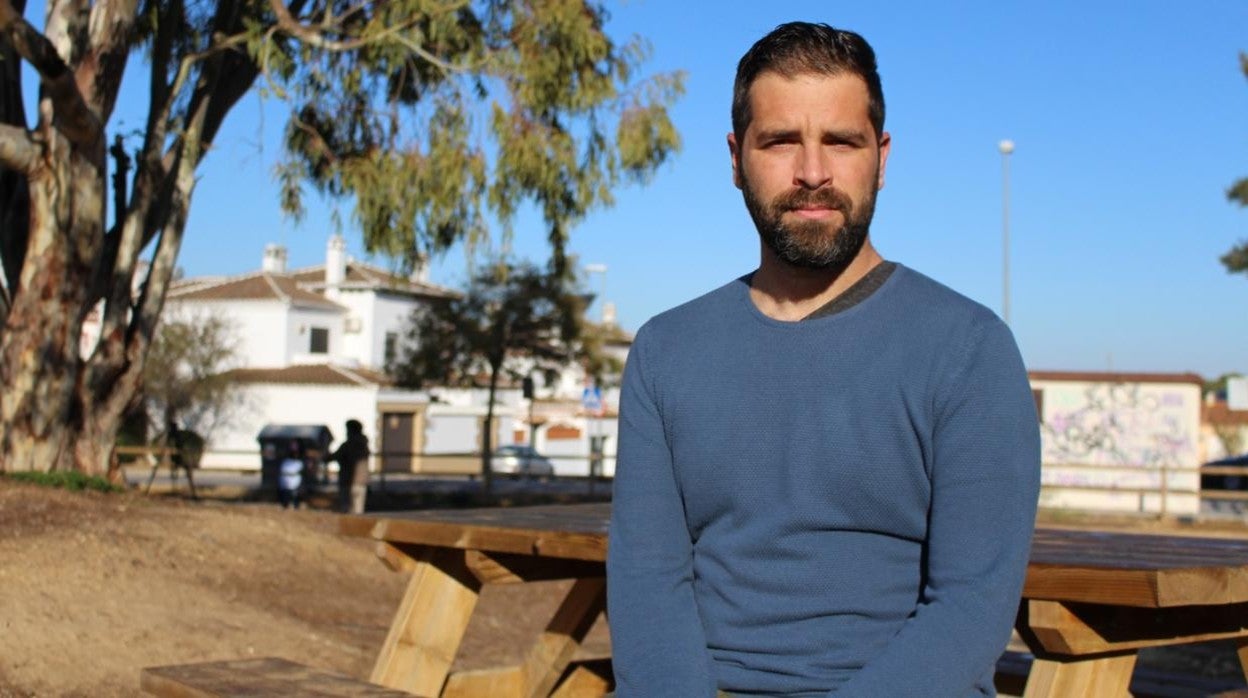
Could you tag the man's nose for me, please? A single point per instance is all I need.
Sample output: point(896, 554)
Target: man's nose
point(812, 169)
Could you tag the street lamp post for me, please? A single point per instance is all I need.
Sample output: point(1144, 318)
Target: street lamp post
point(602, 297)
point(1006, 147)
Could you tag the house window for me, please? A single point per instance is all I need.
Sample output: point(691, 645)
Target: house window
point(1038, 396)
point(392, 347)
point(319, 340)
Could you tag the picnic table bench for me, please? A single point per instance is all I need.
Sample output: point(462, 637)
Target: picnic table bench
point(1091, 599)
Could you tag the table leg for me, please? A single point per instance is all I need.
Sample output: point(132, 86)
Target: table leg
point(563, 635)
point(429, 624)
point(1105, 675)
point(1243, 656)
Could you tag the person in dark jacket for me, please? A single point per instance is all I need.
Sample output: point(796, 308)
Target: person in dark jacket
point(352, 458)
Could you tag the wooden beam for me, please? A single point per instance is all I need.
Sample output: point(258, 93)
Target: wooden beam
point(398, 559)
point(429, 625)
point(1243, 656)
point(591, 679)
point(1106, 676)
point(555, 646)
point(1083, 629)
point(510, 568)
point(501, 681)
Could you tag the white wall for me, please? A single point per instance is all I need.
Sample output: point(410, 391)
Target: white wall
point(390, 314)
point(299, 324)
point(235, 446)
point(259, 326)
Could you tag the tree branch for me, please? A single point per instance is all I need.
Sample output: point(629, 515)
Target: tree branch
point(317, 38)
point(102, 67)
point(18, 150)
point(79, 124)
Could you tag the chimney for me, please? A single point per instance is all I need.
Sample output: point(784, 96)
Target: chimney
point(420, 270)
point(274, 261)
point(335, 261)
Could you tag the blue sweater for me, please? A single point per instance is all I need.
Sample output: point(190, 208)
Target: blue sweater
point(841, 505)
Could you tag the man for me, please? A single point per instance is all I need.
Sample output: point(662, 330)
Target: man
point(352, 458)
point(828, 468)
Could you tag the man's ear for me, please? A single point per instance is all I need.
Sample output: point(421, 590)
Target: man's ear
point(734, 151)
point(886, 145)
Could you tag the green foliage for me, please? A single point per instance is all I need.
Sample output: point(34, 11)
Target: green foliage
point(66, 479)
point(510, 311)
point(184, 377)
point(446, 115)
point(1236, 259)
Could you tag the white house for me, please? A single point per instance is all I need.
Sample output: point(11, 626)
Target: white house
point(312, 347)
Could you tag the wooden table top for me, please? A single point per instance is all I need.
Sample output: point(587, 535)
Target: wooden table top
point(1125, 569)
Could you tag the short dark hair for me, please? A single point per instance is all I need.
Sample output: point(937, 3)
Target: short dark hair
point(798, 48)
point(354, 426)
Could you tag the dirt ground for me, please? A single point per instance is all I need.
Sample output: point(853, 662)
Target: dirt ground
point(94, 587)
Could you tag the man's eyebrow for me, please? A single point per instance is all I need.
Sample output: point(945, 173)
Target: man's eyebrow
point(777, 134)
point(852, 136)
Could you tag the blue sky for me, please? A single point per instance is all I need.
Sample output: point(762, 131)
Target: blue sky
point(1130, 119)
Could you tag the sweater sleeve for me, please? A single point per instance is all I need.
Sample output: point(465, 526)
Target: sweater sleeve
point(657, 640)
point(985, 477)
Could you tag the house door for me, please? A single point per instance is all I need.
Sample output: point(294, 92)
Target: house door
point(396, 442)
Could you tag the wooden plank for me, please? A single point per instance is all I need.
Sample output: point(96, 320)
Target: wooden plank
point(1082, 629)
point(429, 624)
point(509, 568)
point(1057, 582)
point(266, 676)
point(356, 526)
point(548, 543)
point(500, 682)
point(398, 559)
point(1230, 495)
point(550, 656)
point(1106, 676)
point(589, 679)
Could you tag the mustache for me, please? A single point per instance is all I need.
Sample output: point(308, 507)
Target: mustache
point(805, 198)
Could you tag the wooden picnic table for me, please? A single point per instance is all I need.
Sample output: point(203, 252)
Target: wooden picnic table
point(1090, 602)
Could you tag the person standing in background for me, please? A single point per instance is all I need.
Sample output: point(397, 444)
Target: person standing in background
point(352, 459)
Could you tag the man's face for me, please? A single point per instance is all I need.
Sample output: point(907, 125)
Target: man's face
point(809, 166)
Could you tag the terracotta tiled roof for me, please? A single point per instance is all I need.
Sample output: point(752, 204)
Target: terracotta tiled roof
point(367, 276)
point(309, 374)
point(257, 286)
point(1109, 377)
point(1220, 413)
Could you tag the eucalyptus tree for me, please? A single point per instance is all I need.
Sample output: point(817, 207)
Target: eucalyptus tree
point(431, 117)
point(1236, 259)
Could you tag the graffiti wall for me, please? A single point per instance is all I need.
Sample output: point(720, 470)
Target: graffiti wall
point(1119, 445)
point(1121, 424)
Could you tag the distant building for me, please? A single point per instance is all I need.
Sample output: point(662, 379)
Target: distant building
point(1224, 430)
point(313, 344)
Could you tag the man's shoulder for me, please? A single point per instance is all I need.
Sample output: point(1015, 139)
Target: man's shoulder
point(924, 296)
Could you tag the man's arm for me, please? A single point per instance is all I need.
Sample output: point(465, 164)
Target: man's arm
point(657, 641)
point(985, 483)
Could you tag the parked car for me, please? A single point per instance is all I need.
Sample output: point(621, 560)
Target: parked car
point(521, 461)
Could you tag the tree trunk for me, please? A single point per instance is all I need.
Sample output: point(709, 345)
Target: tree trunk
point(39, 359)
point(487, 439)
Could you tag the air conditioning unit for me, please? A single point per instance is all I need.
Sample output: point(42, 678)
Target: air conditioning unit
point(353, 325)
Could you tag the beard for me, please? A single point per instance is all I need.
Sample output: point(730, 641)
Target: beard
point(811, 244)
